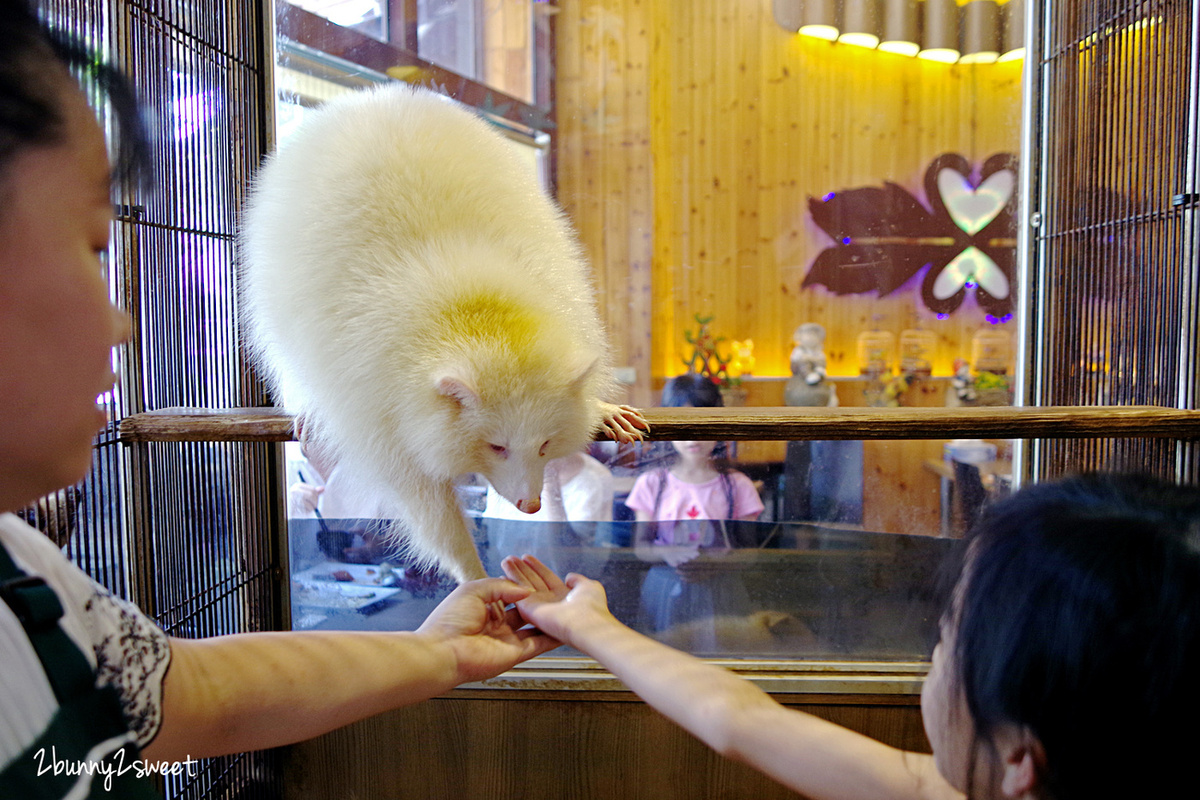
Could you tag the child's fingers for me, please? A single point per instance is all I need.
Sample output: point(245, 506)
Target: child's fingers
point(574, 580)
point(546, 575)
point(512, 568)
point(541, 581)
point(523, 574)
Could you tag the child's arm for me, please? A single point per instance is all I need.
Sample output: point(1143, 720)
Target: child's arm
point(730, 715)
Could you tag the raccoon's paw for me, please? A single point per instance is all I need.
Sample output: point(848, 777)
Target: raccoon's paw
point(622, 423)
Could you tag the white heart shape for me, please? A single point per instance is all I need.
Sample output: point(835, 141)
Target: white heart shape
point(973, 208)
point(971, 264)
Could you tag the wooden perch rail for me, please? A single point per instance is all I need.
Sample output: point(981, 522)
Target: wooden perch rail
point(751, 424)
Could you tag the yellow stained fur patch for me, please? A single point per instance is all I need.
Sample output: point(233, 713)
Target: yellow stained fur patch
point(489, 316)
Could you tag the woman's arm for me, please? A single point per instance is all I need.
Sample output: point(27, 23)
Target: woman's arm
point(729, 714)
point(251, 691)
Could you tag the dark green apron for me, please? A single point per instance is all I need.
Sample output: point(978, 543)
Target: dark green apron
point(86, 716)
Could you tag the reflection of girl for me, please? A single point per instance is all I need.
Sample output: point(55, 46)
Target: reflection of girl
point(684, 498)
point(684, 507)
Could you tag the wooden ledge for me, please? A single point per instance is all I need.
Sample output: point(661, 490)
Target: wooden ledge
point(751, 424)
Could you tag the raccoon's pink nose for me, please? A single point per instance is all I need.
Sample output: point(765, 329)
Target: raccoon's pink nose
point(529, 506)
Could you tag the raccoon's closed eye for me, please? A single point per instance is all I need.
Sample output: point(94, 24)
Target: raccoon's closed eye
point(499, 449)
point(545, 445)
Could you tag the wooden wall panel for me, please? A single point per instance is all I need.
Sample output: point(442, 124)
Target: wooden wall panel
point(506, 47)
point(604, 169)
point(745, 122)
point(553, 748)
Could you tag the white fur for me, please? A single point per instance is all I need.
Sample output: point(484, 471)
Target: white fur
point(395, 254)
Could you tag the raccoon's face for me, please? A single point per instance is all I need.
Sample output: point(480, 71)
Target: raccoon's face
point(509, 433)
point(513, 458)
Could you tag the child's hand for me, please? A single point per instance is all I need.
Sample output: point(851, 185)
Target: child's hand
point(678, 555)
point(558, 609)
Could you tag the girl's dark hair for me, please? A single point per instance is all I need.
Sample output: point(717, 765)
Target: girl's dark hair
point(1080, 620)
point(695, 390)
point(691, 389)
point(31, 85)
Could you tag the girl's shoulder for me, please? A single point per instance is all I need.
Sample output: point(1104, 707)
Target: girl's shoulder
point(739, 477)
point(651, 477)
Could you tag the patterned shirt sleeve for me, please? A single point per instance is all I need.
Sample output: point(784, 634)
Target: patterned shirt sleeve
point(130, 652)
point(132, 655)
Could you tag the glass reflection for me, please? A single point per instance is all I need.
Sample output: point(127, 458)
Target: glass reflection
point(838, 564)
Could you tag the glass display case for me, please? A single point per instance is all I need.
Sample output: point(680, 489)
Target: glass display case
point(842, 563)
point(775, 590)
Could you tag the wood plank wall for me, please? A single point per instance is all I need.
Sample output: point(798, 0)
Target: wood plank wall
point(506, 48)
point(691, 134)
point(555, 746)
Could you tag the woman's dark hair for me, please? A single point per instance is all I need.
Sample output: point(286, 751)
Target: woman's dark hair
point(31, 85)
point(696, 390)
point(1080, 620)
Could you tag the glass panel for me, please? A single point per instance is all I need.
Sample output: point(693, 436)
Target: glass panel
point(841, 563)
point(447, 36)
point(365, 16)
point(488, 40)
point(760, 590)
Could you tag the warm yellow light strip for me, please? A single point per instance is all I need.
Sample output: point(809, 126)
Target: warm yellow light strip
point(942, 55)
point(867, 40)
point(900, 48)
point(820, 32)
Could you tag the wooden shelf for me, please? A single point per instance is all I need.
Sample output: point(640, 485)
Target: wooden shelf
point(751, 424)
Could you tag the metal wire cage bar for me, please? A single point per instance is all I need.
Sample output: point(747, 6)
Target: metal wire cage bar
point(187, 531)
point(1117, 304)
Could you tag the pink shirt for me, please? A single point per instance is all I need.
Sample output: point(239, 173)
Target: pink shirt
point(692, 501)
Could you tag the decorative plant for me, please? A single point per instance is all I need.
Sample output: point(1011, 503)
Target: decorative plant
point(706, 358)
point(989, 380)
point(896, 386)
point(741, 359)
point(984, 387)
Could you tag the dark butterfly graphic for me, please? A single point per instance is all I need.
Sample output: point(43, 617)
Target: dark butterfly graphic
point(884, 236)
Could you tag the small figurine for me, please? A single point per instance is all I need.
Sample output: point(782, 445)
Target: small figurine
point(963, 383)
point(807, 386)
point(808, 355)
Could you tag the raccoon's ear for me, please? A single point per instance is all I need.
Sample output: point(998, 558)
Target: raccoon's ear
point(457, 390)
point(584, 368)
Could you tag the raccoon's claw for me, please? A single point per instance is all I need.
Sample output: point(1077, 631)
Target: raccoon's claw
point(622, 423)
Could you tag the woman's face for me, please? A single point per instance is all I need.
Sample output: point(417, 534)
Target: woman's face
point(56, 322)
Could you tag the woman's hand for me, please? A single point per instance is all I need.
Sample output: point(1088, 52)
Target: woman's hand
point(559, 609)
point(483, 645)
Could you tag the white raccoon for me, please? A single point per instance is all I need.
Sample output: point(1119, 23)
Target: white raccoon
point(412, 292)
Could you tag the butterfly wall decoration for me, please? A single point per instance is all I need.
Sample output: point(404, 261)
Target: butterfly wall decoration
point(883, 236)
